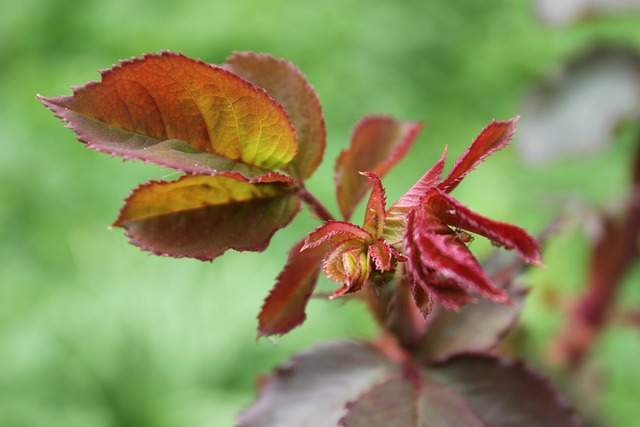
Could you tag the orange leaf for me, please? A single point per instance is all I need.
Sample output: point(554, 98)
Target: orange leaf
point(200, 117)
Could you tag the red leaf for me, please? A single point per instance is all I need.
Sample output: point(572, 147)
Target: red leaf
point(504, 393)
point(336, 232)
point(442, 265)
point(353, 384)
point(381, 254)
point(475, 328)
point(201, 217)
point(284, 308)
point(431, 179)
point(313, 388)
point(180, 113)
point(374, 217)
point(400, 403)
point(285, 83)
point(377, 144)
point(396, 218)
point(453, 213)
point(347, 264)
point(492, 138)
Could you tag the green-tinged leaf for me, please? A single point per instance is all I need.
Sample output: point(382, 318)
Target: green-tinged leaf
point(218, 118)
point(377, 144)
point(313, 388)
point(399, 402)
point(202, 216)
point(285, 83)
point(284, 308)
point(503, 393)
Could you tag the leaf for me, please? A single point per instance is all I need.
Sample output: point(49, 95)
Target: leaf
point(381, 254)
point(492, 138)
point(377, 144)
point(400, 403)
point(284, 308)
point(503, 393)
point(578, 110)
point(396, 217)
point(312, 389)
point(353, 384)
point(285, 83)
point(441, 264)
point(475, 328)
point(201, 217)
point(374, 217)
point(454, 214)
point(335, 232)
point(145, 105)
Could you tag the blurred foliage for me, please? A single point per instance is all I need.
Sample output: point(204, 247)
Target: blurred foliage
point(95, 333)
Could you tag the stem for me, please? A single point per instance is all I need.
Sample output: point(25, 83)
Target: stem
point(314, 204)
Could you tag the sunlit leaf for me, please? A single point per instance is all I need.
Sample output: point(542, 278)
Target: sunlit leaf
point(284, 308)
point(492, 138)
point(202, 216)
point(377, 144)
point(285, 83)
point(145, 105)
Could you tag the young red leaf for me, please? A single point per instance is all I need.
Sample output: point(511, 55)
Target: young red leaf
point(285, 83)
point(336, 232)
point(396, 216)
point(441, 264)
point(377, 144)
point(504, 393)
point(492, 138)
point(382, 255)
point(162, 98)
point(348, 264)
point(374, 217)
point(412, 198)
point(201, 217)
point(284, 308)
point(454, 214)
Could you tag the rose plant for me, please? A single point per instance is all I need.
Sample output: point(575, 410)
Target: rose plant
point(246, 136)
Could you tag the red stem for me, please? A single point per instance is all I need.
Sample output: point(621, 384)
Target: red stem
point(314, 204)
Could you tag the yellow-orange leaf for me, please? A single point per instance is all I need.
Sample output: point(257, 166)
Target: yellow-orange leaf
point(167, 97)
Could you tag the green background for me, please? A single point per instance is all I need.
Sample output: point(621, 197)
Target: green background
point(94, 332)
